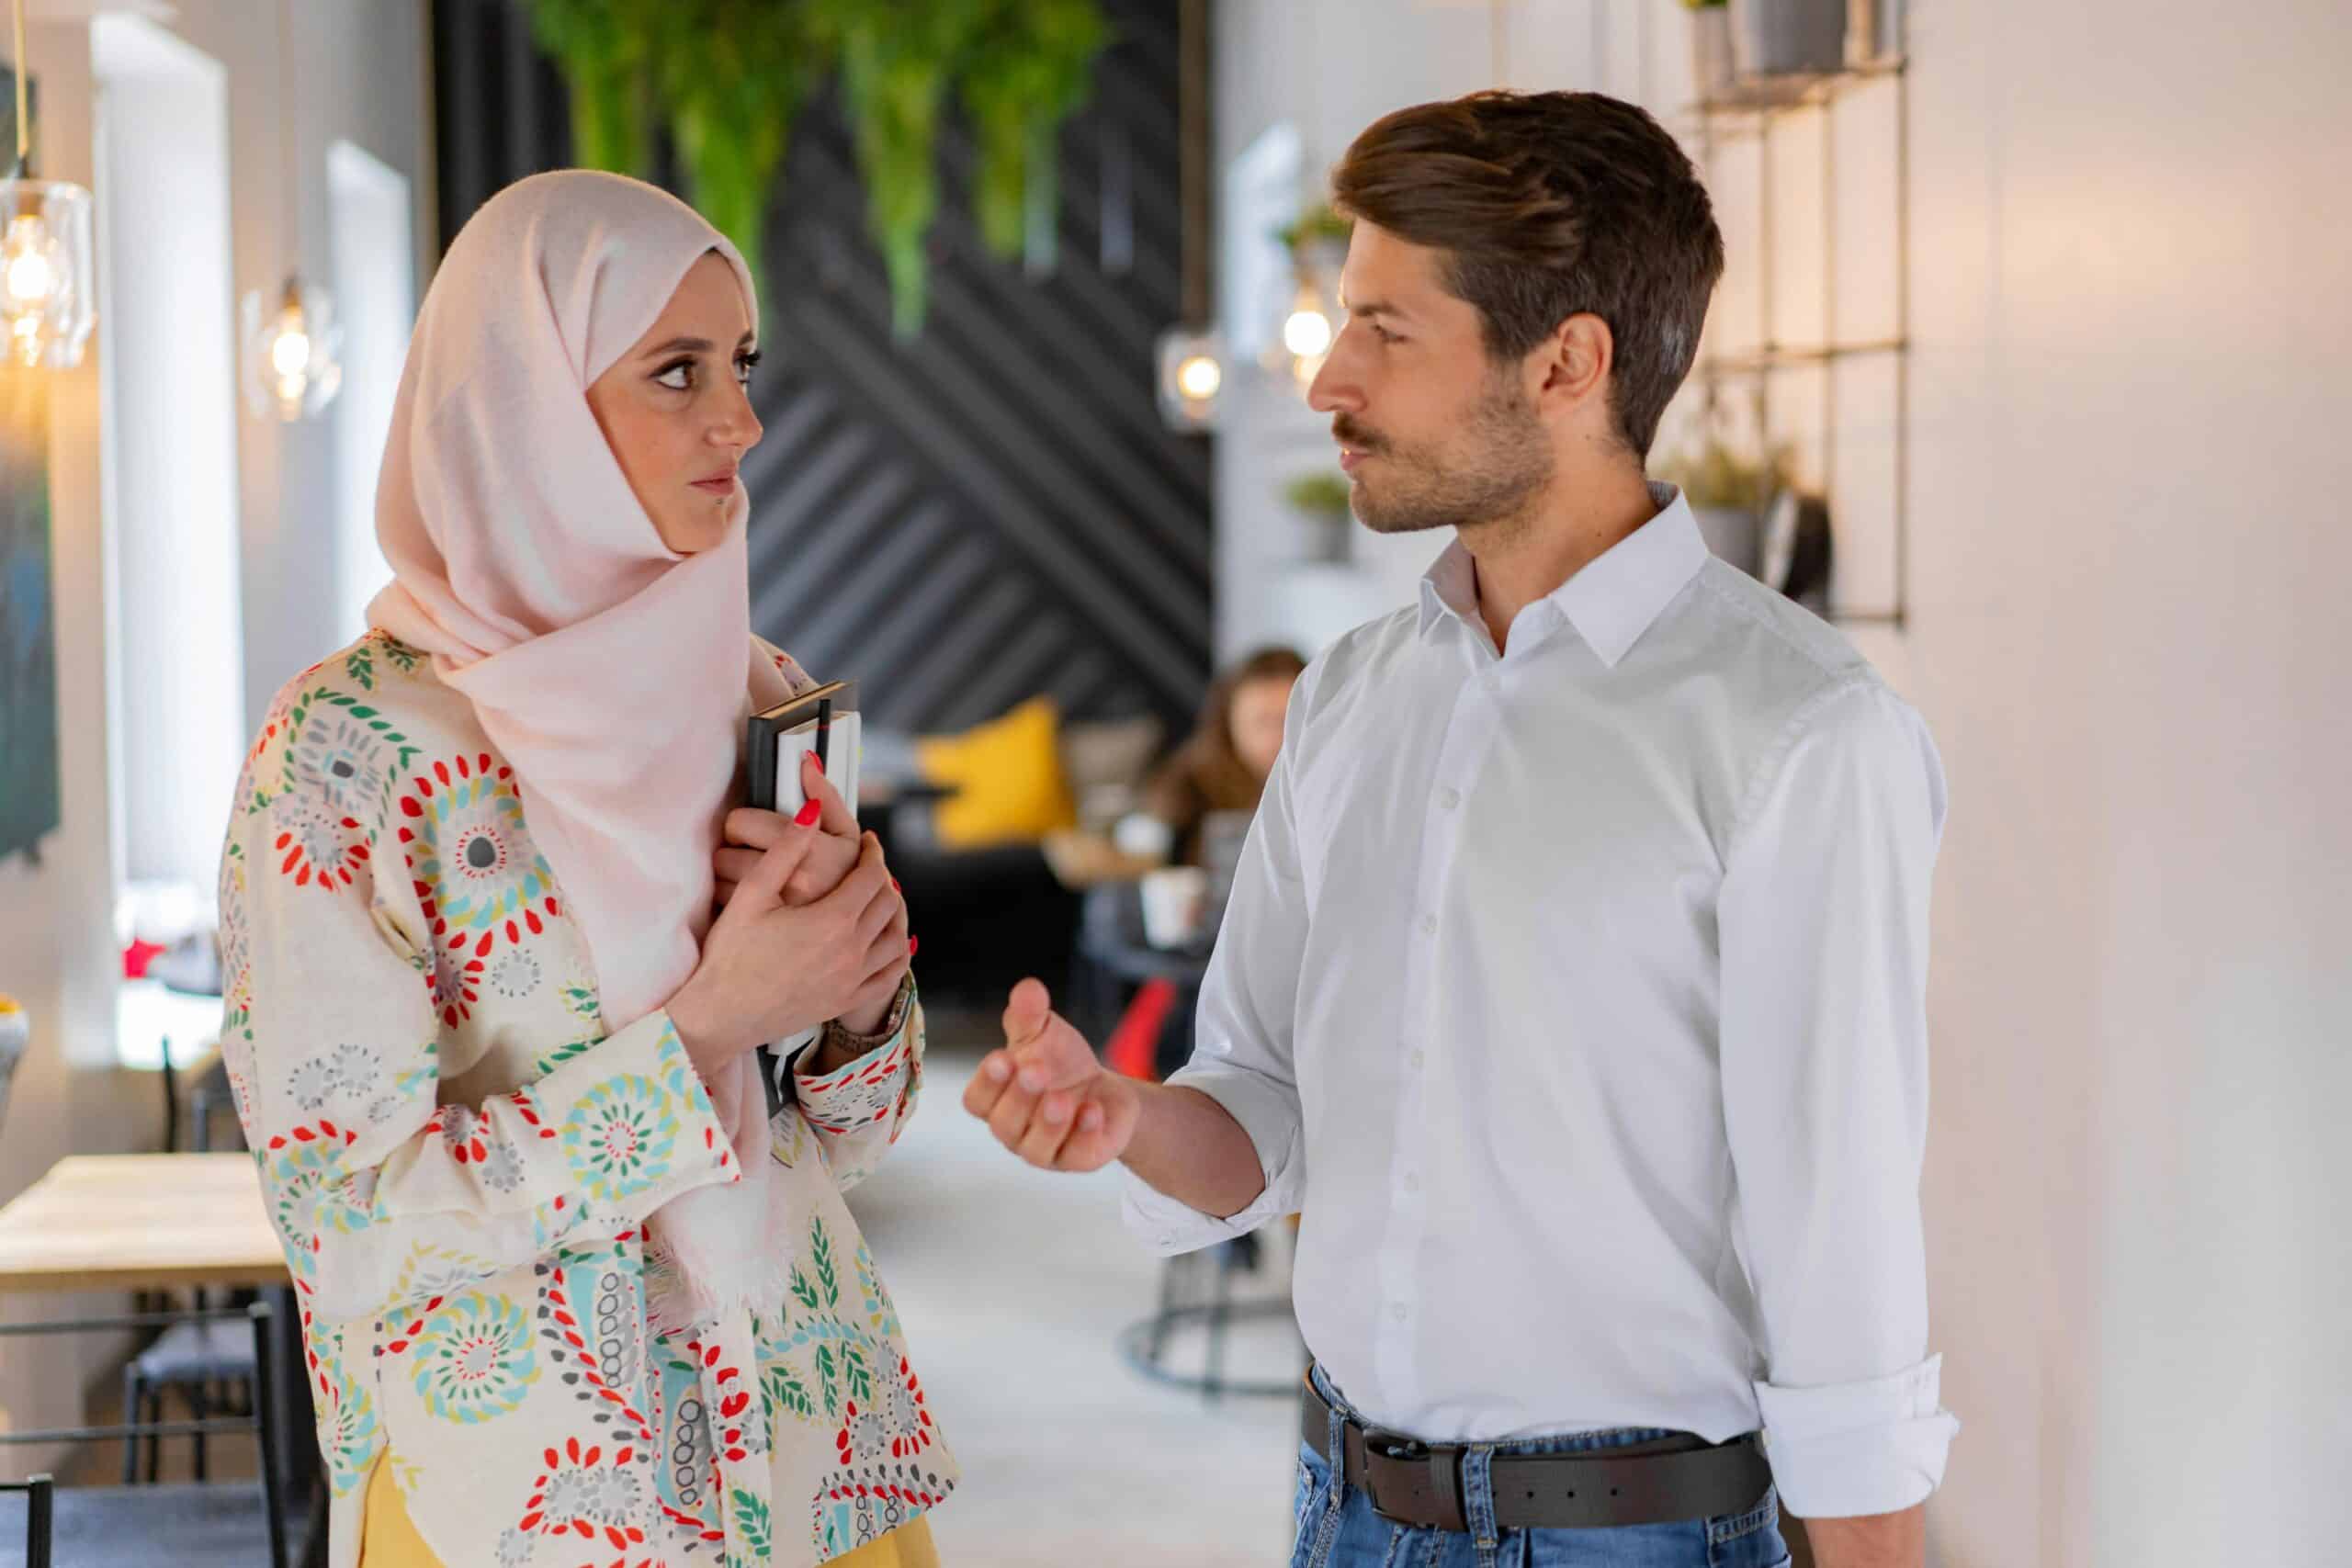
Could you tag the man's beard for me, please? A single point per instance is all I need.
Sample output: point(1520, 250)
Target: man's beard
point(1490, 472)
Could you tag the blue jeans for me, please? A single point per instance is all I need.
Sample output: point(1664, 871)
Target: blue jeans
point(1337, 1528)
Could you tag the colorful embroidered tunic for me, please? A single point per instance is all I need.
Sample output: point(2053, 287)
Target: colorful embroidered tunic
point(461, 1158)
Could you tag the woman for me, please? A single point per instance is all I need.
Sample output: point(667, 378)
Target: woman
point(570, 1294)
point(1223, 765)
point(1219, 770)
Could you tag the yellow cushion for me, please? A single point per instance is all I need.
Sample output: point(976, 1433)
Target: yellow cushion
point(1007, 777)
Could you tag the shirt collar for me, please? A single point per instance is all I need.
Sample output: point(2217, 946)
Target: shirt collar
point(1617, 597)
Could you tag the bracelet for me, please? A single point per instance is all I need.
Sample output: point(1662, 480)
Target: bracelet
point(836, 1034)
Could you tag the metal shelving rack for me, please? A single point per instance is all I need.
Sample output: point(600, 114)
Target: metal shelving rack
point(1749, 110)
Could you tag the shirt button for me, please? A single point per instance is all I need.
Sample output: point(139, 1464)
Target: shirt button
point(1412, 1183)
point(1448, 798)
point(1421, 1059)
point(1429, 925)
point(1398, 1312)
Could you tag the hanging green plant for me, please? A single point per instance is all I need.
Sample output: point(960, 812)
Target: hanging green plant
point(1031, 66)
point(732, 109)
point(897, 58)
point(1319, 224)
point(604, 48)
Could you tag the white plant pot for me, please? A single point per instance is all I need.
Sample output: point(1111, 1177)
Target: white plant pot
point(1710, 60)
point(1788, 38)
point(1873, 31)
point(1733, 535)
point(1325, 536)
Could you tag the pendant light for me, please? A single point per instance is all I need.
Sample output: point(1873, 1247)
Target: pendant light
point(293, 345)
point(1192, 355)
point(47, 295)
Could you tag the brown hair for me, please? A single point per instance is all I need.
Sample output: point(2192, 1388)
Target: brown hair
point(1205, 775)
point(1550, 204)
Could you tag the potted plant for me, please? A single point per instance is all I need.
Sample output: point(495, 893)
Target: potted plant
point(1727, 494)
point(1711, 75)
point(1788, 38)
point(1325, 500)
point(1316, 235)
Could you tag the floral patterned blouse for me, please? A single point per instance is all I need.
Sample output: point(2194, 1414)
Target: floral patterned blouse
point(461, 1158)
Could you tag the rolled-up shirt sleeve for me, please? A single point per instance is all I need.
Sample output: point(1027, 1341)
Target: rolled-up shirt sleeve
point(1823, 930)
point(1242, 1053)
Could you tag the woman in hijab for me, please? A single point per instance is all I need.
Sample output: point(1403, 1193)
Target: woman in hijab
point(570, 1292)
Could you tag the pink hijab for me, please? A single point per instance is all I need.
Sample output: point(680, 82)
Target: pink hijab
point(610, 670)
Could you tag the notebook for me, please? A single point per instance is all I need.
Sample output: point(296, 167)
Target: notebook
point(824, 721)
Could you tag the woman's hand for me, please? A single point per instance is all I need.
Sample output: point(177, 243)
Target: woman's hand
point(869, 1009)
point(769, 971)
point(751, 832)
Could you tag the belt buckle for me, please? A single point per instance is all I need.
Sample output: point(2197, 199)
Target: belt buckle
point(1393, 1446)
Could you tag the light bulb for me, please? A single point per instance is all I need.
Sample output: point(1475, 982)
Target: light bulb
point(290, 355)
point(1307, 334)
point(29, 273)
point(31, 277)
point(1199, 378)
point(292, 342)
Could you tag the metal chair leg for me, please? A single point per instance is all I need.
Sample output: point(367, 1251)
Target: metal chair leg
point(1220, 1313)
point(201, 1408)
point(154, 1444)
point(39, 1500)
point(133, 1391)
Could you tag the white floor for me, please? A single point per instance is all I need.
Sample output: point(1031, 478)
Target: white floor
point(1013, 1285)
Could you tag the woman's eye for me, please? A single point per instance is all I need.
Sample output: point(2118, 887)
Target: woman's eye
point(678, 377)
point(744, 365)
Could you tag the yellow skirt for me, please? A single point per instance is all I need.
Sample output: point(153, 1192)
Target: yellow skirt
point(388, 1540)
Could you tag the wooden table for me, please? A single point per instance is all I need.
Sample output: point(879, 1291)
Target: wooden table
point(158, 1222)
point(140, 1223)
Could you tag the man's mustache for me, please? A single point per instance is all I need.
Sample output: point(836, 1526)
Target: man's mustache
point(1353, 436)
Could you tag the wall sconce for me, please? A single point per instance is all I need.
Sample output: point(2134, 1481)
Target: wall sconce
point(1192, 375)
point(292, 352)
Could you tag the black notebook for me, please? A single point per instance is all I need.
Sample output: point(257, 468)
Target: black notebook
point(824, 721)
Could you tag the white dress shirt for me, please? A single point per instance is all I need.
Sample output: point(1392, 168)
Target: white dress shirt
point(1573, 995)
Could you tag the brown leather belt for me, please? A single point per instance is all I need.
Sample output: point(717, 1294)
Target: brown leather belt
point(1664, 1482)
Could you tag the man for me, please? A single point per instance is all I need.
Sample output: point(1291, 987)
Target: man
point(1571, 986)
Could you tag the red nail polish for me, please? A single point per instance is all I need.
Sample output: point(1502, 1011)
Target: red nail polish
point(809, 813)
point(913, 942)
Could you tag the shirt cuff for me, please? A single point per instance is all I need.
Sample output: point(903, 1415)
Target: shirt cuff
point(867, 1090)
point(1842, 1450)
point(642, 1071)
point(1166, 1226)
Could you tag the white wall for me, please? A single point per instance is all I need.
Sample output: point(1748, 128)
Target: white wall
point(374, 211)
point(2130, 368)
point(360, 74)
point(2133, 341)
point(171, 503)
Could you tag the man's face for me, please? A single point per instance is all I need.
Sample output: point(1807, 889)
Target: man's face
point(1432, 432)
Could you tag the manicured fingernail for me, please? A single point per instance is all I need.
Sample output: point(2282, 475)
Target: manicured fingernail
point(996, 1067)
point(894, 885)
point(1089, 1120)
point(808, 814)
point(913, 942)
point(1032, 1080)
